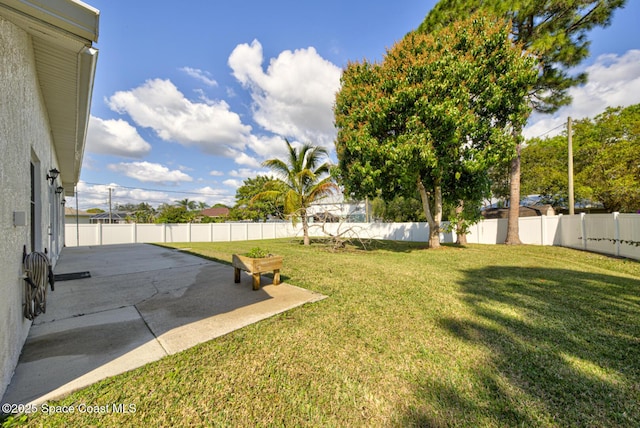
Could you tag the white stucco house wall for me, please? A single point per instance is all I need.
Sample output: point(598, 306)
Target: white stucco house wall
point(47, 68)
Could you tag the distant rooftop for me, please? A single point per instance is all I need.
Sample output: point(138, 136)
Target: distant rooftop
point(215, 212)
point(72, 211)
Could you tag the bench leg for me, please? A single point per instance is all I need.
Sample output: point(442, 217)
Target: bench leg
point(276, 276)
point(236, 275)
point(256, 281)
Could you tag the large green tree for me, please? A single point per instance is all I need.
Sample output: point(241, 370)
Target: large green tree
point(555, 31)
point(174, 214)
point(305, 178)
point(249, 208)
point(433, 115)
point(144, 213)
point(138, 213)
point(606, 161)
point(544, 169)
point(399, 209)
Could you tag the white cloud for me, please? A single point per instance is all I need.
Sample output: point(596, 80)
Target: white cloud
point(613, 81)
point(212, 196)
point(159, 105)
point(269, 147)
point(294, 96)
point(232, 183)
point(242, 158)
point(150, 172)
point(97, 196)
point(264, 148)
point(216, 173)
point(244, 173)
point(135, 196)
point(203, 76)
point(115, 137)
point(89, 163)
point(209, 191)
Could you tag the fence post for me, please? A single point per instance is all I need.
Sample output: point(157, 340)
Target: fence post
point(583, 230)
point(188, 232)
point(134, 233)
point(559, 231)
point(99, 233)
point(616, 226)
point(164, 232)
point(543, 229)
point(210, 232)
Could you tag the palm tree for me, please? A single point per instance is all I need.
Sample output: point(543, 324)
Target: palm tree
point(144, 213)
point(304, 181)
point(187, 204)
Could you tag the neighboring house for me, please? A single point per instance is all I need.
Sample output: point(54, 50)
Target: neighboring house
point(217, 212)
point(71, 216)
point(106, 218)
point(335, 208)
point(47, 68)
point(525, 211)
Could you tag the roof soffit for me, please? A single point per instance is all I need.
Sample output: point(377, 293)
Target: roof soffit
point(62, 33)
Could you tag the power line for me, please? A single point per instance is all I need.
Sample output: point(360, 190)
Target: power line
point(154, 190)
point(550, 130)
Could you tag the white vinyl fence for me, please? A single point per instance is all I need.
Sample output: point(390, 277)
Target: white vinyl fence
point(615, 234)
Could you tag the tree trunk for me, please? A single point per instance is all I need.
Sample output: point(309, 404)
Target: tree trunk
point(461, 233)
point(434, 219)
point(513, 230)
point(305, 227)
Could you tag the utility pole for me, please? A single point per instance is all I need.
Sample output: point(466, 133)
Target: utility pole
point(570, 161)
point(110, 217)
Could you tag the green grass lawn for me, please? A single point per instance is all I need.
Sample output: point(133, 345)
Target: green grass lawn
point(474, 336)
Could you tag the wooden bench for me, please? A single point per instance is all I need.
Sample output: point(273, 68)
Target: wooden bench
point(257, 266)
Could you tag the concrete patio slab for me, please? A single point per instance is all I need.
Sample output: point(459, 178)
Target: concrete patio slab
point(141, 303)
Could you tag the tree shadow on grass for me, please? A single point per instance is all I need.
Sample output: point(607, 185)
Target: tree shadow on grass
point(563, 349)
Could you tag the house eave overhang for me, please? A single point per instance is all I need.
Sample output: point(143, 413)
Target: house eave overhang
point(62, 34)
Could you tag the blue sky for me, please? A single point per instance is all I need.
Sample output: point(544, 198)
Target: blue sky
point(190, 97)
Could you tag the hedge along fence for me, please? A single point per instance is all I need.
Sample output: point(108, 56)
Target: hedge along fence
point(614, 234)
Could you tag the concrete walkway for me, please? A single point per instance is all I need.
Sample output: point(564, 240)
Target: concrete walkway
point(141, 303)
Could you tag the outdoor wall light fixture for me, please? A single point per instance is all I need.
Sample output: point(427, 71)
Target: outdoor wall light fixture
point(53, 174)
point(59, 189)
